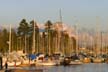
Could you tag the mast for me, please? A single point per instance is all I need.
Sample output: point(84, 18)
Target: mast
point(98, 37)
point(76, 33)
point(59, 33)
point(101, 43)
point(77, 39)
point(60, 16)
point(10, 39)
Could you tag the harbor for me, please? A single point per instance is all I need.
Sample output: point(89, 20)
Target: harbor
point(54, 36)
point(55, 45)
point(52, 45)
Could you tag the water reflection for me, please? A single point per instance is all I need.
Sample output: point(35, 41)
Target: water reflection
point(78, 68)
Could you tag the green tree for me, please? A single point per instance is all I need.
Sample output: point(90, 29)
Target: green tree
point(54, 41)
point(34, 29)
point(48, 30)
point(1, 50)
point(65, 41)
point(23, 31)
point(5, 40)
point(13, 40)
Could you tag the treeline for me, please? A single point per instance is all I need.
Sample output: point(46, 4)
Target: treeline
point(48, 40)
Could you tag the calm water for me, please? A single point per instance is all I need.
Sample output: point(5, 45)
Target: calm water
point(102, 67)
point(78, 68)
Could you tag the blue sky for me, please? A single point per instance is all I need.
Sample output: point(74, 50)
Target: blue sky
point(85, 11)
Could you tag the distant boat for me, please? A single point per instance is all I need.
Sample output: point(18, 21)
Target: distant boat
point(76, 62)
point(97, 60)
point(66, 61)
point(41, 60)
point(86, 60)
point(46, 63)
point(12, 58)
point(14, 63)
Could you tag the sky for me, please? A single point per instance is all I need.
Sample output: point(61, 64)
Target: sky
point(82, 11)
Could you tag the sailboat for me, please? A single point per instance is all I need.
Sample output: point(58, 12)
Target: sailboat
point(51, 61)
point(75, 58)
point(45, 61)
point(97, 58)
point(86, 58)
point(12, 58)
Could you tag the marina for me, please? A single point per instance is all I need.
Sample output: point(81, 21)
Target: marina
point(54, 36)
point(53, 47)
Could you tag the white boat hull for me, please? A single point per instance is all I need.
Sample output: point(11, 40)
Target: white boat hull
point(76, 62)
point(13, 63)
point(46, 63)
point(97, 60)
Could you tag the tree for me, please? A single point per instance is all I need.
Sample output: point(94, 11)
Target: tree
point(5, 40)
point(23, 31)
point(66, 43)
point(48, 30)
point(1, 49)
point(14, 40)
point(34, 29)
point(54, 41)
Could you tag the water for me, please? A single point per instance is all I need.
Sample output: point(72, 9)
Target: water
point(92, 67)
point(78, 68)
